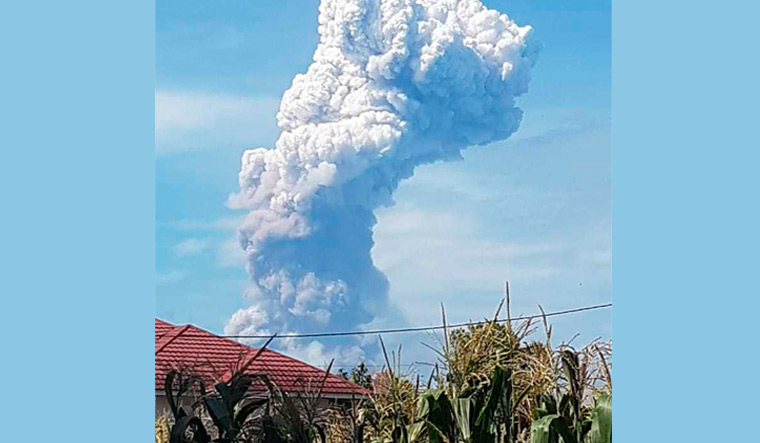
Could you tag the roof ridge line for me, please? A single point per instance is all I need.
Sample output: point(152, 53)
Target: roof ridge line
point(170, 337)
point(196, 327)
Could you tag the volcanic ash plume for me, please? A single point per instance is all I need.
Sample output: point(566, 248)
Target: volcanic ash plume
point(394, 84)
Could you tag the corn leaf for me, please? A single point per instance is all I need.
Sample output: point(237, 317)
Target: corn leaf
point(601, 420)
point(549, 429)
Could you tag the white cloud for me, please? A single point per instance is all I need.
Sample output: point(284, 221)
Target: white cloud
point(453, 249)
point(170, 277)
point(317, 354)
point(192, 121)
point(387, 91)
point(432, 257)
point(191, 246)
point(230, 254)
point(227, 223)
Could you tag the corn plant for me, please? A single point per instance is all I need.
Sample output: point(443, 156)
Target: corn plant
point(498, 387)
point(299, 417)
point(187, 427)
point(347, 422)
point(601, 420)
point(484, 415)
point(563, 417)
point(389, 414)
point(229, 406)
point(555, 427)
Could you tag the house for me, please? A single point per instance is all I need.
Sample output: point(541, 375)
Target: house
point(215, 358)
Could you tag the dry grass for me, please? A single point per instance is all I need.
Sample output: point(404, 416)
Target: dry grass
point(594, 369)
point(469, 356)
point(163, 430)
point(393, 401)
point(339, 428)
point(467, 360)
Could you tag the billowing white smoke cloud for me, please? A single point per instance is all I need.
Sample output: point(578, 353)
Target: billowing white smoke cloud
point(394, 84)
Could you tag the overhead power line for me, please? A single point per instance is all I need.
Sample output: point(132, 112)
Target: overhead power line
point(422, 328)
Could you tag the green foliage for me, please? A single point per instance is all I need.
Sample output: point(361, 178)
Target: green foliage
point(300, 417)
point(359, 375)
point(550, 428)
point(484, 415)
point(229, 406)
point(562, 417)
point(601, 420)
point(556, 428)
point(491, 385)
point(498, 387)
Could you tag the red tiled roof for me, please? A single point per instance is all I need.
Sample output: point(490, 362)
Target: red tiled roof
point(214, 358)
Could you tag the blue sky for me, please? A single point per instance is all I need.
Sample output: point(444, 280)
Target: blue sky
point(535, 209)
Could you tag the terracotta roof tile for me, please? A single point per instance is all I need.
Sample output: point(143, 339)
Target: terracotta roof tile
point(215, 357)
